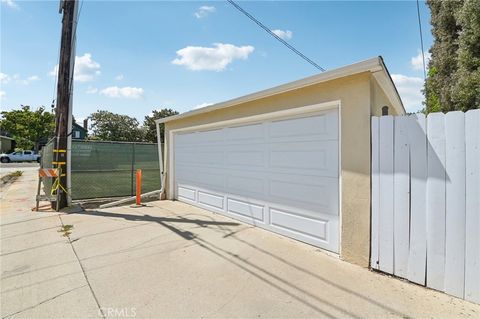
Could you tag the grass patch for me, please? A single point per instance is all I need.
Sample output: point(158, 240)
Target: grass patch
point(10, 178)
point(17, 173)
point(66, 230)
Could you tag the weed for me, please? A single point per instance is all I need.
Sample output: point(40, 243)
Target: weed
point(11, 177)
point(66, 230)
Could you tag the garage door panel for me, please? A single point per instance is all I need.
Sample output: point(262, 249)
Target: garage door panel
point(323, 126)
point(318, 158)
point(200, 156)
point(211, 137)
point(249, 185)
point(207, 177)
point(246, 158)
point(211, 199)
point(185, 192)
point(318, 197)
point(280, 175)
point(316, 228)
point(255, 132)
point(186, 140)
point(319, 232)
point(246, 209)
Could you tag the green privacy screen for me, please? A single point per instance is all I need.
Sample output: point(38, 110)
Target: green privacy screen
point(107, 169)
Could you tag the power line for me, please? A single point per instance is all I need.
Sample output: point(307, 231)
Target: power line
point(421, 40)
point(423, 54)
point(261, 25)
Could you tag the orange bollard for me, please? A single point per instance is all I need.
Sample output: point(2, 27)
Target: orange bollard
point(139, 188)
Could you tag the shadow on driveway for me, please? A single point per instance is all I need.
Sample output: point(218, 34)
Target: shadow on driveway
point(256, 270)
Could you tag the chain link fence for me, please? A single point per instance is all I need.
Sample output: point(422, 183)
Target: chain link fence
point(102, 169)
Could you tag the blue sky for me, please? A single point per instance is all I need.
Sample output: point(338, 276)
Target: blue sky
point(133, 57)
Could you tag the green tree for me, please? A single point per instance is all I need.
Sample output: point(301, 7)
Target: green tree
point(150, 127)
point(108, 126)
point(466, 93)
point(453, 81)
point(27, 126)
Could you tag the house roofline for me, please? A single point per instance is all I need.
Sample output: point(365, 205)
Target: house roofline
point(79, 126)
point(374, 65)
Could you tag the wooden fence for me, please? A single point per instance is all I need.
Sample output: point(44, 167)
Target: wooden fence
point(426, 200)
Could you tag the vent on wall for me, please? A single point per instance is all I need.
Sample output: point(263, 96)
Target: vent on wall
point(384, 110)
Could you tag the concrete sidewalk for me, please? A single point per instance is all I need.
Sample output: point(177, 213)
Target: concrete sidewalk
point(40, 274)
point(172, 260)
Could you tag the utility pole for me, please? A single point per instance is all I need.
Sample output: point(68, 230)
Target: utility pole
point(63, 114)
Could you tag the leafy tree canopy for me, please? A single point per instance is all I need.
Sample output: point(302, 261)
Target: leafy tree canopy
point(109, 126)
point(27, 126)
point(150, 127)
point(453, 81)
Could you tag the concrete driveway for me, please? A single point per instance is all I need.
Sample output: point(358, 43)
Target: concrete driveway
point(172, 260)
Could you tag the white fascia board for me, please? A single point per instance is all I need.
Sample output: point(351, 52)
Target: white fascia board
point(385, 82)
point(370, 65)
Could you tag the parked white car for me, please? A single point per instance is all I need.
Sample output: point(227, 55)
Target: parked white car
point(22, 156)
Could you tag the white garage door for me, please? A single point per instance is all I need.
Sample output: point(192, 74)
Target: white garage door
point(281, 174)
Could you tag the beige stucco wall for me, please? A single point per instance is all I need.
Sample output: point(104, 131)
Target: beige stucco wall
point(379, 99)
point(356, 95)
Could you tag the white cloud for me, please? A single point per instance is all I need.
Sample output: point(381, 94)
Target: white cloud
point(4, 78)
point(86, 69)
point(119, 77)
point(416, 62)
point(214, 58)
point(126, 92)
point(2, 95)
point(204, 11)
point(28, 80)
point(11, 4)
point(410, 90)
point(284, 34)
point(199, 106)
point(33, 78)
point(91, 90)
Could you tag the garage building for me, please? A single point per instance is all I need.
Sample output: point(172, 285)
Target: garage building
point(293, 159)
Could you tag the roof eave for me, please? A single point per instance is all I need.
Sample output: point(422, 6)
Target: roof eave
point(385, 81)
point(371, 65)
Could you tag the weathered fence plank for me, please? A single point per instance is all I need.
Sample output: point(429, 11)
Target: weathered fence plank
point(386, 200)
point(418, 230)
point(472, 196)
point(455, 203)
point(401, 196)
point(434, 220)
point(436, 201)
point(375, 192)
